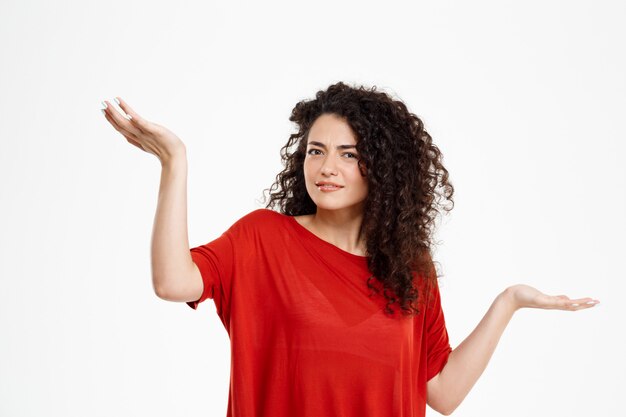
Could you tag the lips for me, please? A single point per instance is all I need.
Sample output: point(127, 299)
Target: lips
point(328, 186)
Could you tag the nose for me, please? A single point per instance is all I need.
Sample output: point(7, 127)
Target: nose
point(328, 167)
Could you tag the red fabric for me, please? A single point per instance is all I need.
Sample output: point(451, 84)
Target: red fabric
point(306, 340)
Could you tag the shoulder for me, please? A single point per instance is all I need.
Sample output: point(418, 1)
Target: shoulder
point(258, 219)
point(258, 227)
point(262, 215)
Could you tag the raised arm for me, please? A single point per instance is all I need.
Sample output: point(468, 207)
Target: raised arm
point(174, 275)
point(468, 361)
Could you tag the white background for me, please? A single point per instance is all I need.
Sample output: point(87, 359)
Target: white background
point(526, 100)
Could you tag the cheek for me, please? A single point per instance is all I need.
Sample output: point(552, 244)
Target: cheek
point(309, 170)
point(360, 182)
point(312, 167)
point(363, 179)
point(365, 188)
point(306, 164)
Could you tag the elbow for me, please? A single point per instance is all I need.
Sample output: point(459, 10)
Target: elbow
point(160, 293)
point(448, 409)
point(159, 289)
point(443, 411)
point(444, 408)
point(441, 398)
point(447, 412)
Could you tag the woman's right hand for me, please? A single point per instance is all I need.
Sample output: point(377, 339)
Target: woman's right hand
point(147, 136)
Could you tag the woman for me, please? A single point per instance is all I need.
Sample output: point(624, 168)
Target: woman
point(307, 292)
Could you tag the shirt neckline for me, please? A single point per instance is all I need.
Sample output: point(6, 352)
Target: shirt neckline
point(313, 237)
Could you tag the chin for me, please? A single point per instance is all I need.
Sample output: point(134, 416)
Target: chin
point(335, 202)
point(339, 205)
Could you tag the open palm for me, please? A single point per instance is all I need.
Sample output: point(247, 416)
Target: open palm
point(527, 296)
point(147, 136)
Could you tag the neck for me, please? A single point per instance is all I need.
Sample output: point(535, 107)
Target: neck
point(341, 228)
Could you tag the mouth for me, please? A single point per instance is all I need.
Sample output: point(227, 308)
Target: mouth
point(328, 186)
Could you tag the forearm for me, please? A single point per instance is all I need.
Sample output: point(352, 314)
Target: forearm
point(468, 361)
point(170, 256)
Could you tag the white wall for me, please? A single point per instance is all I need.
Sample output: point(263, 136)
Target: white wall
point(525, 100)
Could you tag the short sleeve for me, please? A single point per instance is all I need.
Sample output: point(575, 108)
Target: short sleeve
point(214, 260)
point(437, 342)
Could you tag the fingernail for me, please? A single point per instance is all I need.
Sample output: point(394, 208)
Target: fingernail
point(117, 101)
point(574, 304)
point(104, 104)
point(130, 117)
point(592, 302)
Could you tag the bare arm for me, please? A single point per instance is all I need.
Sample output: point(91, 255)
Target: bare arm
point(467, 362)
point(174, 275)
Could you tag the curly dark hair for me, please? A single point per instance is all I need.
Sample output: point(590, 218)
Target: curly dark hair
point(403, 169)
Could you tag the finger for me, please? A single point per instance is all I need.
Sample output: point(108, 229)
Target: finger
point(132, 142)
point(114, 118)
point(129, 138)
point(563, 303)
point(580, 307)
point(584, 302)
point(581, 300)
point(135, 118)
point(116, 125)
point(121, 121)
point(110, 119)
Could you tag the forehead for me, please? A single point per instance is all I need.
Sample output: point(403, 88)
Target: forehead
point(331, 128)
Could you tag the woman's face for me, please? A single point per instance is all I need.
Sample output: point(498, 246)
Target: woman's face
point(332, 158)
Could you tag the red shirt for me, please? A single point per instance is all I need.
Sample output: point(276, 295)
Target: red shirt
point(306, 339)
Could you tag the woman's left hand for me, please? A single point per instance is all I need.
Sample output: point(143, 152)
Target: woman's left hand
point(522, 296)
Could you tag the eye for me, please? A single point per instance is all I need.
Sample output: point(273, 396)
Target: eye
point(313, 150)
point(352, 155)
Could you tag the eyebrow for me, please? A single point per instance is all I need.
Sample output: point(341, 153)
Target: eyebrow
point(321, 145)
